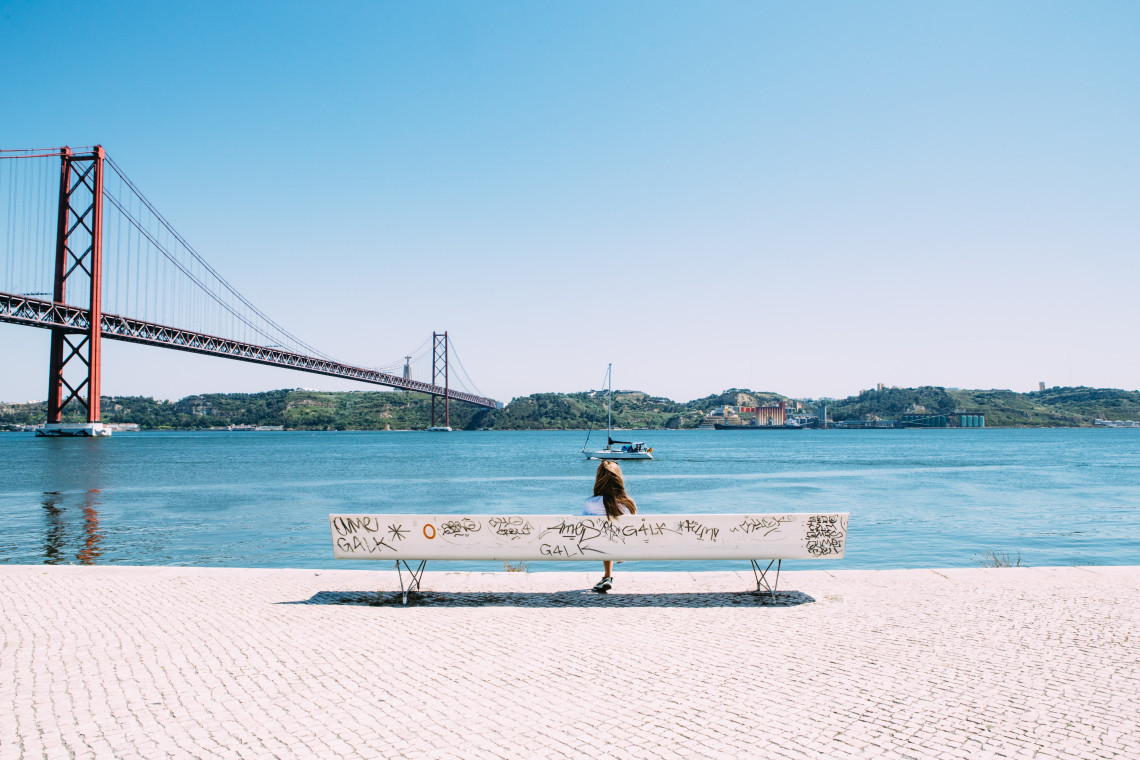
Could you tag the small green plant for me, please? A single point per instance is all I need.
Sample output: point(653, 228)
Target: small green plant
point(516, 567)
point(1000, 559)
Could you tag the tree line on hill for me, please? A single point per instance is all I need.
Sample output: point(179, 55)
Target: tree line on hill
point(398, 410)
point(1053, 407)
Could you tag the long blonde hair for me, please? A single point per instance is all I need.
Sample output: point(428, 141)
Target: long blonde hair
point(610, 485)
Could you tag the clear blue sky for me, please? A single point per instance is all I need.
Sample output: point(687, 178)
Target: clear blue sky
point(804, 198)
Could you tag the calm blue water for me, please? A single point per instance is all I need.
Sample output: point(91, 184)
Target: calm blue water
point(917, 498)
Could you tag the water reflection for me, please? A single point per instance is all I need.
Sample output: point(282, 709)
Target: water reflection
point(74, 469)
point(56, 549)
point(91, 535)
point(55, 533)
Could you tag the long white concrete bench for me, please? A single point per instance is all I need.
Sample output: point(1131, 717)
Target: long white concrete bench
point(408, 539)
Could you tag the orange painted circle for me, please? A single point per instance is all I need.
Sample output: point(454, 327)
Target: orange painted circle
point(429, 525)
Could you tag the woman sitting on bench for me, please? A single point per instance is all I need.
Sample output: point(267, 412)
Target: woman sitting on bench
point(611, 500)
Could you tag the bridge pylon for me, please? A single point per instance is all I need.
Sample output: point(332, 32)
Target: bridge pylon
point(438, 370)
point(74, 370)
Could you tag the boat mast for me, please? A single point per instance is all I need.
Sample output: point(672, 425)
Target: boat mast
point(609, 404)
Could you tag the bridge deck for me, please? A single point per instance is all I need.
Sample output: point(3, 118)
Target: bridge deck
point(34, 312)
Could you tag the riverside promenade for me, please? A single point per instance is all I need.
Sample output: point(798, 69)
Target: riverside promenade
point(154, 662)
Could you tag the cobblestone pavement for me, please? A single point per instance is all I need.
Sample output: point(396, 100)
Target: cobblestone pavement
point(132, 662)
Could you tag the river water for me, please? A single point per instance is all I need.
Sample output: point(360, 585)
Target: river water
point(917, 498)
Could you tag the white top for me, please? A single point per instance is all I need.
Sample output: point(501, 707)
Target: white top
point(595, 506)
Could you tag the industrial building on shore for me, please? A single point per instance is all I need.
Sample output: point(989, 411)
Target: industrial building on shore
point(776, 417)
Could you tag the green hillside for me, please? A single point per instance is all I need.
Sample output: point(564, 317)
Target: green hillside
point(1054, 407)
point(295, 409)
point(395, 410)
point(576, 411)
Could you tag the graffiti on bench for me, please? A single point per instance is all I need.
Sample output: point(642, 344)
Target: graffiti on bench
point(560, 537)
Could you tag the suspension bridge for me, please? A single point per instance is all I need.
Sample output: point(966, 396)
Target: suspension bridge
point(86, 255)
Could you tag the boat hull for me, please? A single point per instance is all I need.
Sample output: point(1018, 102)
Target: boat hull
point(604, 454)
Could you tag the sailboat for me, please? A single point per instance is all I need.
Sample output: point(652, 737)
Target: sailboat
point(614, 449)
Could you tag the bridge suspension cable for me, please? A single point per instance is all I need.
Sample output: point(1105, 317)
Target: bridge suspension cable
point(27, 216)
point(206, 299)
point(464, 379)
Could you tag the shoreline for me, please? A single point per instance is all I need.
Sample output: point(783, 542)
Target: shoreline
point(153, 661)
point(845, 429)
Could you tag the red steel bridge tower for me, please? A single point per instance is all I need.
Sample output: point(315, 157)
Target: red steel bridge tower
point(74, 369)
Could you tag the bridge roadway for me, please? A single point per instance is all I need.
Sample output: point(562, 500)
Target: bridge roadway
point(34, 312)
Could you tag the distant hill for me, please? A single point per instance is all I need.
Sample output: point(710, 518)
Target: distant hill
point(396, 410)
point(294, 409)
point(1054, 407)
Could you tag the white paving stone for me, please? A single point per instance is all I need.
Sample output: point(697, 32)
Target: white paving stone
point(118, 662)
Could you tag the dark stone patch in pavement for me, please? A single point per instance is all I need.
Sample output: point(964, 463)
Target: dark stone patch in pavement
point(576, 598)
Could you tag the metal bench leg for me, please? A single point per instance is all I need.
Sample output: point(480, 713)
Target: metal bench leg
point(414, 579)
point(762, 576)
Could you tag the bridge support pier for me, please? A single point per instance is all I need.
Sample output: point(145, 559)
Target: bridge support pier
point(74, 371)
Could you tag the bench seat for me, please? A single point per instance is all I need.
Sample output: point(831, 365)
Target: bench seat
point(534, 538)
